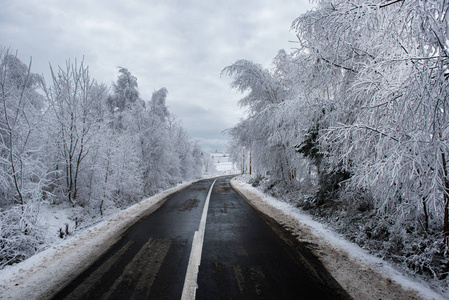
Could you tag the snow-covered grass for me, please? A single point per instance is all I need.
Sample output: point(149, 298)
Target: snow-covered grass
point(362, 275)
point(54, 218)
point(40, 276)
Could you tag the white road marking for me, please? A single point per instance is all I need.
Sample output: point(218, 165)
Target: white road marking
point(190, 282)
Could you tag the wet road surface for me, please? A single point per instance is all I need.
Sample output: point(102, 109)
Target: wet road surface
point(245, 255)
point(150, 261)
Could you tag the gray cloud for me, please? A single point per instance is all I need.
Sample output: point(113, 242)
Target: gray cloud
point(179, 44)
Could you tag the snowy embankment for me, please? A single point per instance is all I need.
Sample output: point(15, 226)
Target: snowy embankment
point(362, 275)
point(40, 276)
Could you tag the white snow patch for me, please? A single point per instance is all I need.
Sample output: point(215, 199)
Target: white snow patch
point(362, 275)
point(53, 218)
point(223, 164)
point(225, 167)
point(45, 273)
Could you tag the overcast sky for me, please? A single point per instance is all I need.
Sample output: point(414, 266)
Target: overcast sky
point(179, 44)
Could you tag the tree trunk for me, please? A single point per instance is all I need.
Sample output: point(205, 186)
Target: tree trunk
point(426, 215)
point(446, 197)
point(106, 177)
point(250, 162)
point(11, 122)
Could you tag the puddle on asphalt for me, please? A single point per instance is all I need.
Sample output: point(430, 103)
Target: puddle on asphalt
point(189, 204)
point(224, 210)
point(201, 188)
point(223, 189)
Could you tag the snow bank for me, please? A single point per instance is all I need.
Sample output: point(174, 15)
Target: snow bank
point(362, 275)
point(43, 274)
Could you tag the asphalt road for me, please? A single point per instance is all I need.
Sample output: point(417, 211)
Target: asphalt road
point(245, 255)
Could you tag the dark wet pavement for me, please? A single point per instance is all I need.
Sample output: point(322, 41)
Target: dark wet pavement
point(243, 257)
point(246, 255)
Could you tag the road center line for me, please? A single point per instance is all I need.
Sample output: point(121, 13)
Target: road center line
point(190, 282)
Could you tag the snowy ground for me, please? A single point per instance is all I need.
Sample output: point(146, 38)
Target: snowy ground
point(223, 165)
point(362, 275)
point(226, 168)
point(40, 276)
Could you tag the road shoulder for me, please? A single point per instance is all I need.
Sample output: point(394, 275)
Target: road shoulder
point(362, 275)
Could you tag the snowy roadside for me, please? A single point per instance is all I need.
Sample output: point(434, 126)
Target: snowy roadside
point(43, 274)
point(362, 275)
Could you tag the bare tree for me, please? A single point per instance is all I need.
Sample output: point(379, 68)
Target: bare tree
point(19, 122)
point(72, 124)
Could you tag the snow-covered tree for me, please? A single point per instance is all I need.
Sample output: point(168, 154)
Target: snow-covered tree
point(72, 124)
point(83, 145)
point(270, 131)
point(157, 104)
point(386, 64)
point(125, 91)
point(22, 175)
